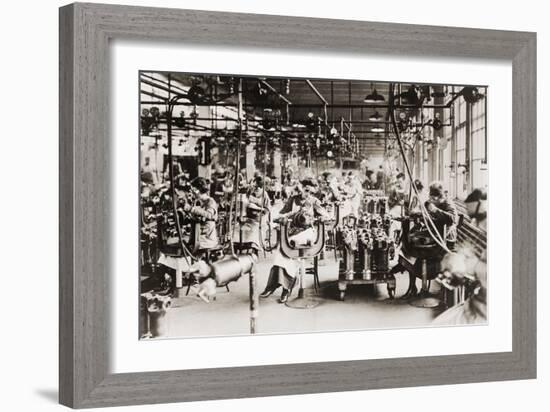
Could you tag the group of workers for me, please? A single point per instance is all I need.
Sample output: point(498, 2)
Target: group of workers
point(304, 200)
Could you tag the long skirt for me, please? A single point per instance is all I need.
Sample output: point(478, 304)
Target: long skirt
point(285, 270)
point(292, 266)
point(279, 277)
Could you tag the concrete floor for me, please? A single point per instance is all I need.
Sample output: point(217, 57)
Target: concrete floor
point(365, 307)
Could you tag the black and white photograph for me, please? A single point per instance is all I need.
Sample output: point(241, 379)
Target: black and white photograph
point(275, 206)
point(295, 205)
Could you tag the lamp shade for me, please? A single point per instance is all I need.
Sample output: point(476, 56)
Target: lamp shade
point(375, 117)
point(374, 97)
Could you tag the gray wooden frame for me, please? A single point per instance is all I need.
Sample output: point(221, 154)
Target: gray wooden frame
point(85, 31)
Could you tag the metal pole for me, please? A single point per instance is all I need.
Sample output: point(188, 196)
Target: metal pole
point(254, 302)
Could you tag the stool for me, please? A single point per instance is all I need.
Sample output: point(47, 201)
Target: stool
point(424, 298)
point(314, 270)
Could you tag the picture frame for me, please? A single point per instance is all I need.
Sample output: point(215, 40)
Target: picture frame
point(85, 33)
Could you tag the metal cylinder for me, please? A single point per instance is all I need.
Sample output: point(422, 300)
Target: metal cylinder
point(424, 266)
point(231, 268)
point(367, 274)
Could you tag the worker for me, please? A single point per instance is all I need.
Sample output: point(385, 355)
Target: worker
point(300, 210)
point(476, 207)
point(396, 199)
point(256, 204)
point(443, 212)
point(204, 213)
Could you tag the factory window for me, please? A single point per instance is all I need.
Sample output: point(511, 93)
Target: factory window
point(478, 142)
point(447, 170)
point(461, 164)
point(461, 155)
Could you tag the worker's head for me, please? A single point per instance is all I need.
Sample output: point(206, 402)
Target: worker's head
point(436, 190)
point(259, 181)
point(400, 176)
point(201, 186)
point(308, 188)
point(476, 204)
point(147, 178)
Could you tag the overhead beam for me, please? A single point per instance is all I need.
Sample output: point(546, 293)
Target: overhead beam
point(270, 87)
point(314, 89)
point(312, 106)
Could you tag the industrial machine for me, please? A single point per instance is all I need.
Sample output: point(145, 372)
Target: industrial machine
point(367, 249)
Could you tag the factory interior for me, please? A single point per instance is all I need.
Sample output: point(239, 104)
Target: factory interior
point(294, 205)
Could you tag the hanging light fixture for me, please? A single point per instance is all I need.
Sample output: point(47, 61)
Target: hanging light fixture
point(377, 129)
point(412, 96)
point(196, 94)
point(471, 94)
point(375, 117)
point(261, 92)
point(374, 96)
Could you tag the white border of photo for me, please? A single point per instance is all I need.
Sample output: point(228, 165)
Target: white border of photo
point(129, 354)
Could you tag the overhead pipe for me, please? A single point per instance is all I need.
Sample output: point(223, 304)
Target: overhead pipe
point(355, 122)
point(307, 105)
point(156, 96)
point(162, 81)
point(165, 88)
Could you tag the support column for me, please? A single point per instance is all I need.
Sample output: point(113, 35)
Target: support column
point(277, 164)
point(204, 171)
point(250, 157)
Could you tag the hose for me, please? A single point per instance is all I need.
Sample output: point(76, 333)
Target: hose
point(425, 215)
point(237, 172)
point(187, 254)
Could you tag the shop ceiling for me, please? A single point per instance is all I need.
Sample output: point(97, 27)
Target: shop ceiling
point(347, 105)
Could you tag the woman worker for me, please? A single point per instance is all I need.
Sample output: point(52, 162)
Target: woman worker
point(204, 214)
point(301, 210)
point(255, 206)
